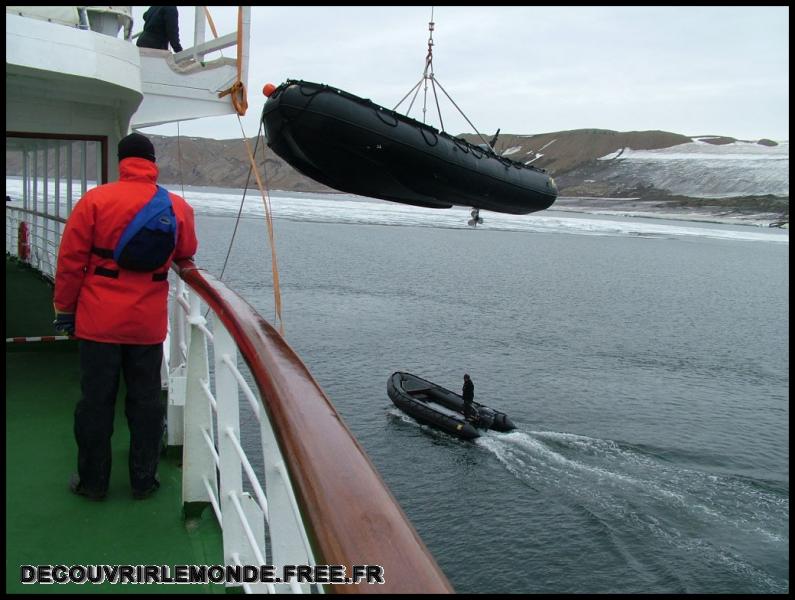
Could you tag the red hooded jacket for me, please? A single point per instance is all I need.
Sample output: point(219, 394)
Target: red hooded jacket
point(112, 304)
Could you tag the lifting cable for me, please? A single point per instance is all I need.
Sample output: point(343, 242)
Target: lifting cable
point(179, 162)
point(239, 211)
point(428, 75)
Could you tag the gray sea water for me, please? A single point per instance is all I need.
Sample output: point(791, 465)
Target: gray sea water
point(645, 362)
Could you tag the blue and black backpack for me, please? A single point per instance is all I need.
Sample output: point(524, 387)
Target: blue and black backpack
point(150, 238)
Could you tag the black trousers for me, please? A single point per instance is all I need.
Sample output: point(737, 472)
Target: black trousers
point(468, 412)
point(100, 368)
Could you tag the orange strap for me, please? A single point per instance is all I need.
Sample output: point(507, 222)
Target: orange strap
point(237, 92)
point(277, 294)
point(239, 97)
point(210, 21)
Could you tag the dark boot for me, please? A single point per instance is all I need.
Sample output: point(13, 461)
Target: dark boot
point(76, 488)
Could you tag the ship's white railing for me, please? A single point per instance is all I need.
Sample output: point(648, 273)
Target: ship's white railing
point(111, 20)
point(55, 173)
point(108, 20)
point(44, 238)
point(204, 417)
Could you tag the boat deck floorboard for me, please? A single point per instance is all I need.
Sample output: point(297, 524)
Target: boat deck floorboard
point(45, 523)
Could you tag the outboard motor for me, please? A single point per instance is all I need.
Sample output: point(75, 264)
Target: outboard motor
point(502, 422)
point(485, 417)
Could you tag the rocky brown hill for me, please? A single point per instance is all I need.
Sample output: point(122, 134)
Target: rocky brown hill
point(561, 151)
point(571, 157)
point(225, 163)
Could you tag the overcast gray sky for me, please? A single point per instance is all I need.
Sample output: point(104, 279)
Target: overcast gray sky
point(690, 70)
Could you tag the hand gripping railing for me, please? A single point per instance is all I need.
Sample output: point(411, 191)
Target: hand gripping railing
point(325, 502)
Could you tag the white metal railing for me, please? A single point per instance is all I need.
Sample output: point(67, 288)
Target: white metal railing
point(44, 234)
point(204, 417)
point(53, 172)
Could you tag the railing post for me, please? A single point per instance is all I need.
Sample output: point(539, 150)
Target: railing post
point(289, 544)
point(176, 369)
point(57, 186)
point(46, 179)
point(12, 232)
point(58, 226)
point(69, 179)
point(245, 35)
point(198, 462)
point(46, 209)
point(226, 394)
point(179, 322)
point(83, 168)
point(199, 21)
point(25, 179)
point(34, 230)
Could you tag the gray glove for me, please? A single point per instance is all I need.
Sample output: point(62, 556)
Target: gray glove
point(65, 323)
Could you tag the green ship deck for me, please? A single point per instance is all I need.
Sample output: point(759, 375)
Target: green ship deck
point(45, 523)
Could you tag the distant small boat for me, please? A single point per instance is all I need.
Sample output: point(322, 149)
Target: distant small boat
point(356, 146)
point(434, 405)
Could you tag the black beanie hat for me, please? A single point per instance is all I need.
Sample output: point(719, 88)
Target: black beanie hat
point(137, 145)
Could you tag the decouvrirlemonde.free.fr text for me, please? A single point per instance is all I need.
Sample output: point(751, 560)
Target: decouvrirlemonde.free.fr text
point(229, 574)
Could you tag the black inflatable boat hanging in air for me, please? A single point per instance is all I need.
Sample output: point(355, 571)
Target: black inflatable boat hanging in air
point(354, 145)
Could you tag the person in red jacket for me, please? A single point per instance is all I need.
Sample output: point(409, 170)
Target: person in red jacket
point(120, 317)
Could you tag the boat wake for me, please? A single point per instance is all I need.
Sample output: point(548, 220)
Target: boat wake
point(634, 493)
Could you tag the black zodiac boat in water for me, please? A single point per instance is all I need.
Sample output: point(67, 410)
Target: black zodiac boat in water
point(356, 146)
point(432, 404)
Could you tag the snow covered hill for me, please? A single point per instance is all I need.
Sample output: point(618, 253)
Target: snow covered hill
point(703, 170)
